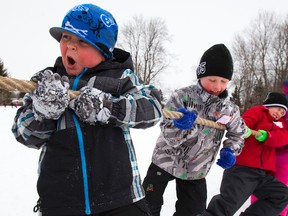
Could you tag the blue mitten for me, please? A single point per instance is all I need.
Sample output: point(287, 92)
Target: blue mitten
point(227, 158)
point(186, 122)
point(88, 106)
point(50, 98)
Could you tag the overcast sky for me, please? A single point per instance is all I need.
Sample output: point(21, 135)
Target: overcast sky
point(27, 47)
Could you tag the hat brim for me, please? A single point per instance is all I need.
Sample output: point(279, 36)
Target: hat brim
point(56, 32)
point(276, 105)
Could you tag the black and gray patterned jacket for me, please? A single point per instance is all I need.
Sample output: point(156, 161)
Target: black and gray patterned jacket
point(189, 154)
point(88, 168)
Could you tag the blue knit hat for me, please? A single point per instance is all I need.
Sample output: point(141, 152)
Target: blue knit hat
point(91, 23)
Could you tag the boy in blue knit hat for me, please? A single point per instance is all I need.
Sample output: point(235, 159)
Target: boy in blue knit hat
point(87, 164)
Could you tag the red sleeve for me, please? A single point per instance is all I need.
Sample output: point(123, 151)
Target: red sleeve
point(277, 138)
point(251, 117)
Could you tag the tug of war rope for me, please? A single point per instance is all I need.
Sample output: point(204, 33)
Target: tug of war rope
point(12, 84)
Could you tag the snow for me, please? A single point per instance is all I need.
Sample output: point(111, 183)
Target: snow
point(18, 167)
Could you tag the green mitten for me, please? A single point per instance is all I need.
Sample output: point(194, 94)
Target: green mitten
point(263, 137)
point(248, 132)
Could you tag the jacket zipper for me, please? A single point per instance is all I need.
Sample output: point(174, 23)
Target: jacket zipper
point(82, 150)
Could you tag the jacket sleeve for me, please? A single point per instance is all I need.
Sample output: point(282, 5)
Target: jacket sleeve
point(27, 130)
point(277, 139)
point(235, 132)
point(172, 135)
point(133, 104)
point(252, 117)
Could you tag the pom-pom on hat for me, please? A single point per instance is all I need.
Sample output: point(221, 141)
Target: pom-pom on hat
point(276, 99)
point(216, 61)
point(91, 23)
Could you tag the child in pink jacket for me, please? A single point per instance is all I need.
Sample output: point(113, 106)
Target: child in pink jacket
point(282, 156)
point(282, 169)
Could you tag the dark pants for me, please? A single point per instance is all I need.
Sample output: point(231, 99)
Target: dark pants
point(191, 194)
point(139, 208)
point(238, 183)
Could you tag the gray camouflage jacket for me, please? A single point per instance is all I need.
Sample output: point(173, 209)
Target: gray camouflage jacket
point(189, 154)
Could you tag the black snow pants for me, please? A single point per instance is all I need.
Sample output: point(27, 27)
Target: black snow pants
point(191, 194)
point(139, 208)
point(238, 183)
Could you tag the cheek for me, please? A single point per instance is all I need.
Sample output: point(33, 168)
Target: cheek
point(272, 112)
point(89, 59)
point(209, 86)
point(206, 85)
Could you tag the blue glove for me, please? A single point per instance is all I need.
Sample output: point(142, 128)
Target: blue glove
point(50, 98)
point(88, 106)
point(186, 122)
point(227, 158)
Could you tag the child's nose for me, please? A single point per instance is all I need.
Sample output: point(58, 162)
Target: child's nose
point(217, 87)
point(71, 45)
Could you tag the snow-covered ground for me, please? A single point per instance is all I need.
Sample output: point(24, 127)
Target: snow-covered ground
point(18, 170)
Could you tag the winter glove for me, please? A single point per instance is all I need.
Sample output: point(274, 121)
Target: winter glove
point(50, 98)
point(88, 106)
point(186, 122)
point(248, 132)
point(227, 158)
point(263, 137)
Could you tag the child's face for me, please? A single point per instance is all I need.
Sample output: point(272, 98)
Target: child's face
point(77, 54)
point(214, 85)
point(276, 112)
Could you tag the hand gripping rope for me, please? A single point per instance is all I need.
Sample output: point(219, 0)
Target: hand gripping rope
point(12, 84)
point(201, 121)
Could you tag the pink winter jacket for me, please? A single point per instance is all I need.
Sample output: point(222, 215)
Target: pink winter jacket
point(282, 159)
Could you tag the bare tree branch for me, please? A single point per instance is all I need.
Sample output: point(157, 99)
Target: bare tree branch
point(145, 40)
point(261, 59)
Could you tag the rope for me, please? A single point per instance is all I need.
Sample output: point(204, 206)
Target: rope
point(176, 115)
point(12, 84)
point(199, 120)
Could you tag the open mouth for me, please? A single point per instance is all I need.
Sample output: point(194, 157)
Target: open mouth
point(70, 61)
